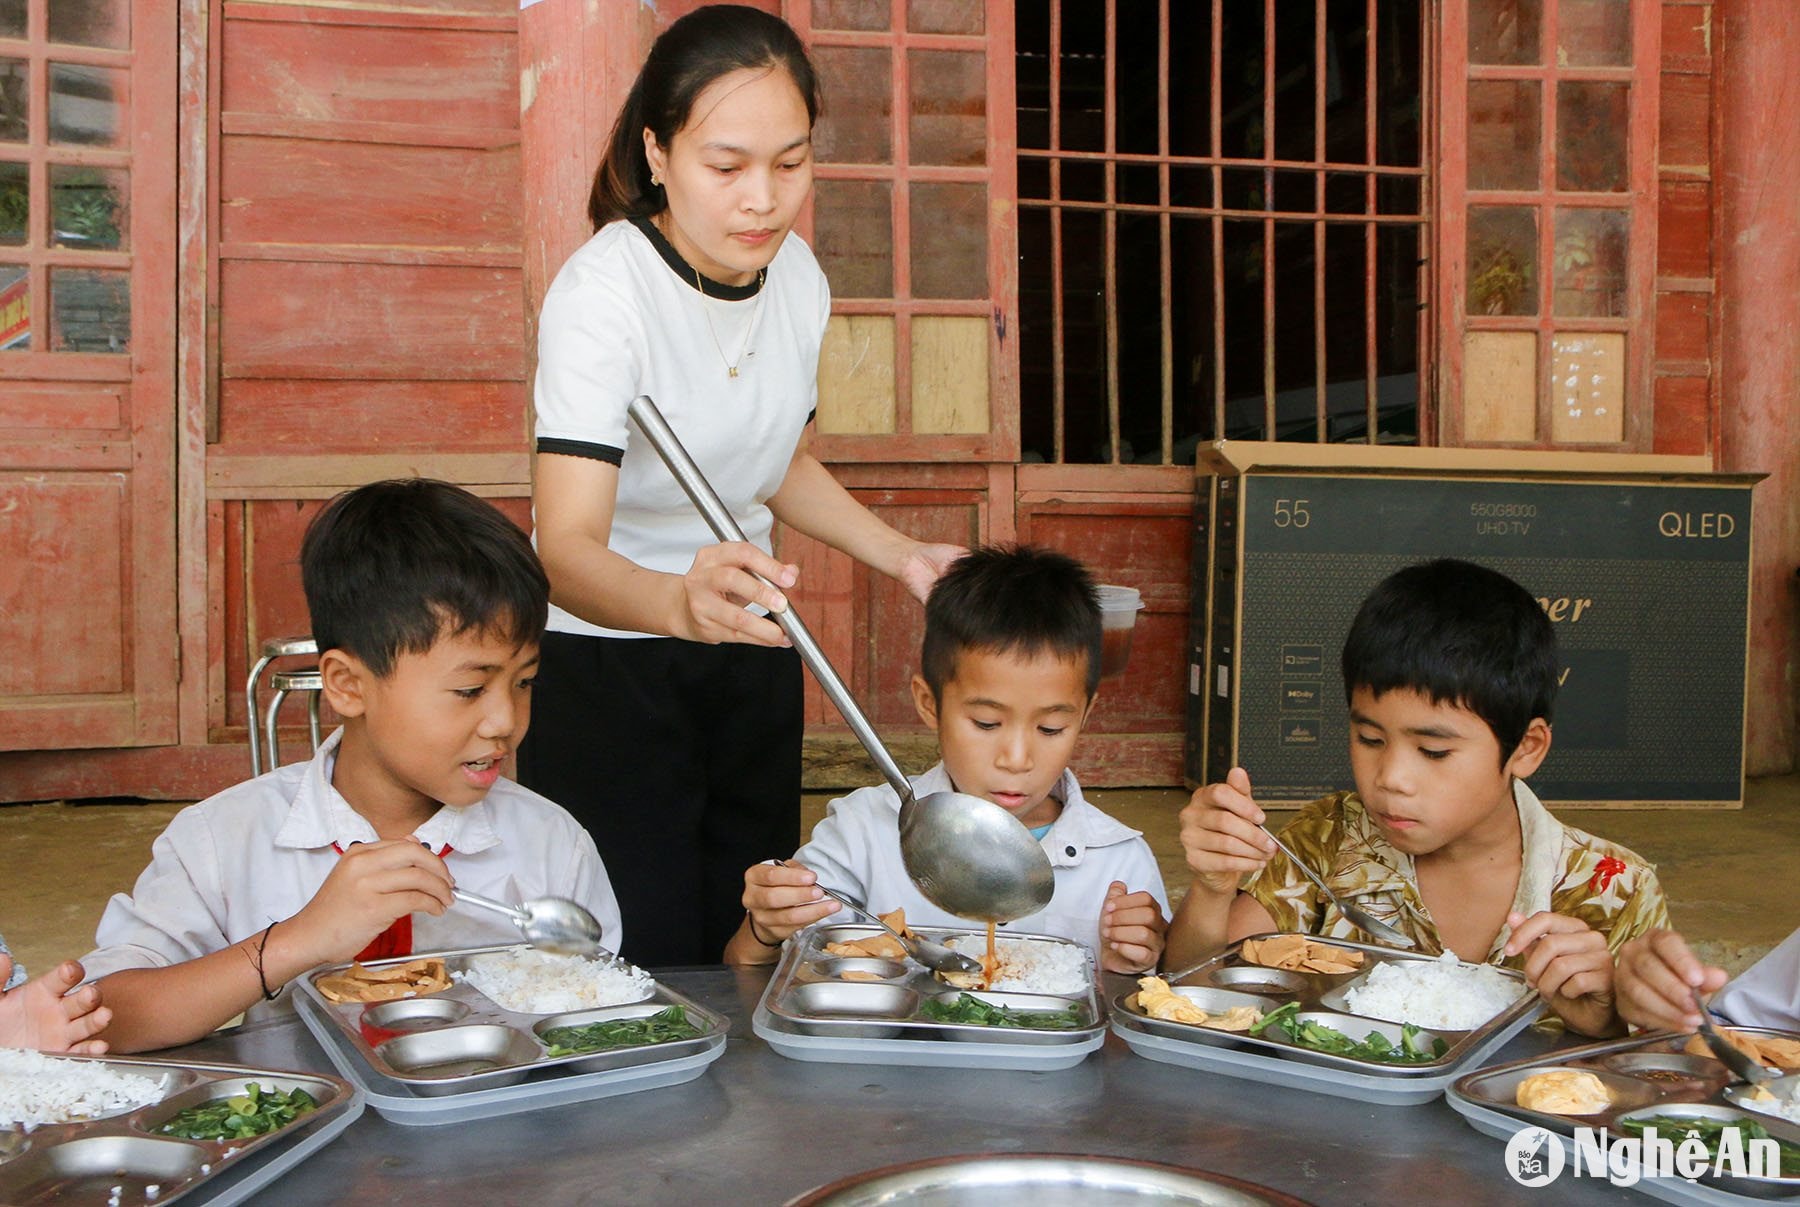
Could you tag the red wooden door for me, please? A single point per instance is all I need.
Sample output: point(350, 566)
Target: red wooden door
point(88, 655)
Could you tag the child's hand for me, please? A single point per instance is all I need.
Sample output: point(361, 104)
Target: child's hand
point(781, 899)
point(1131, 930)
point(43, 1014)
point(372, 886)
point(1219, 834)
point(1570, 967)
point(1656, 979)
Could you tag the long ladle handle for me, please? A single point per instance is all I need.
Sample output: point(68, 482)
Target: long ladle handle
point(499, 907)
point(724, 526)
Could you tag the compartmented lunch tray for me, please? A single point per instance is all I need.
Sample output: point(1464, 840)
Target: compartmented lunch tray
point(1650, 1076)
point(455, 1055)
point(860, 1010)
point(1230, 980)
point(124, 1158)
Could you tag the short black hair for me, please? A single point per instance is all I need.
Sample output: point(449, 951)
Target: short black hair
point(1463, 635)
point(1011, 599)
point(391, 567)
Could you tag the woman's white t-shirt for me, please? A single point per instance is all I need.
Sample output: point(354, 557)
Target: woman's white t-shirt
point(624, 317)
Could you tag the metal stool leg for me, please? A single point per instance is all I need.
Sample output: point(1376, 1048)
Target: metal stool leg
point(251, 711)
point(312, 716)
point(269, 734)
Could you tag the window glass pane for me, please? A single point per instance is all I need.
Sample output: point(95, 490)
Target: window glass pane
point(14, 111)
point(1505, 126)
point(1593, 33)
point(949, 240)
point(1590, 262)
point(15, 203)
point(949, 107)
point(88, 207)
point(851, 14)
point(91, 23)
point(90, 310)
point(1502, 260)
point(87, 105)
point(857, 124)
point(944, 16)
point(12, 18)
point(1505, 31)
point(1587, 388)
point(15, 308)
point(1592, 120)
point(853, 236)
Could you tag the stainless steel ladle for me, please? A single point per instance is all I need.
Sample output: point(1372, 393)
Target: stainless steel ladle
point(968, 856)
point(553, 924)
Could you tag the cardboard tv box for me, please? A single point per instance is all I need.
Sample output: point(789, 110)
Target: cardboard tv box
point(1641, 562)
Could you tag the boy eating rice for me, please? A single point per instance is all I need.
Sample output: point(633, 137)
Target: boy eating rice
point(1450, 671)
point(427, 605)
point(1009, 668)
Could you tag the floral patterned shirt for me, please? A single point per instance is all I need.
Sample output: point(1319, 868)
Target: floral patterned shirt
point(1565, 870)
point(18, 972)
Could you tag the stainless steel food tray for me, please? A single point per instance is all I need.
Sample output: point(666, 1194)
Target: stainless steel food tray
point(82, 1162)
point(1228, 979)
point(809, 1011)
point(457, 1055)
point(1041, 1180)
point(1652, 1074)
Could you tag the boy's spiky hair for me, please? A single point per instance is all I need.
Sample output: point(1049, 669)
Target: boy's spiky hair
point(390, 567)
point(1460, 634)
point(1011, 599)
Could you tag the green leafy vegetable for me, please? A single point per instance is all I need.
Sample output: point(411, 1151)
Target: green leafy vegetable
point(1709, 1131)
point(1412, 1049)
point(665, 1026)
point(967, 1009)
point(255, 1112)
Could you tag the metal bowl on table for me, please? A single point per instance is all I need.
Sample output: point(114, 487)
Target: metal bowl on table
point(1039, 1180)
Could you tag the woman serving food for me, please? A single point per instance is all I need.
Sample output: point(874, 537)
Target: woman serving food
point(668, 714)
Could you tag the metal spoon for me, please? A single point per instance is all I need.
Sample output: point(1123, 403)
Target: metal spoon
point(968, 856)
point(553, 924)
point(1358, 918)
point(1739, 1063)
point(935, 956)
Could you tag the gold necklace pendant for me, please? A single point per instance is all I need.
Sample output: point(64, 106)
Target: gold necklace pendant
point(731, 367)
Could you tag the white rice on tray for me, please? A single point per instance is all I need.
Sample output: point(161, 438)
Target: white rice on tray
point(1444, 994)
point(1031, 965)
point(37, 1089)
point(529, 981)
point(1782, 1107)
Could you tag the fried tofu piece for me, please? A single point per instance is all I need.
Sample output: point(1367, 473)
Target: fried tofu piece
point(388, 983)
point(1298, 953)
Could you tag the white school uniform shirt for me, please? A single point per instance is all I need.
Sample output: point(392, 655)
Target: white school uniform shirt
point(1767, 994)
point(624, 317)
point(856, 848)
point(258, 852)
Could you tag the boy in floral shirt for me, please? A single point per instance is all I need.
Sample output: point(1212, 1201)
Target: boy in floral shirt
point(1450, 670)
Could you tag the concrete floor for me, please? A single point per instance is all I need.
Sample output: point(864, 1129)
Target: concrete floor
point(1731, 875)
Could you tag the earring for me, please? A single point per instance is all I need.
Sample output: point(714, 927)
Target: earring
point(655, 181)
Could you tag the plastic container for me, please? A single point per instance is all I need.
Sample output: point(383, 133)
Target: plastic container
point(1119, 607)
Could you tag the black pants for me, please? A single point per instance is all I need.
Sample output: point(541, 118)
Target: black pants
point(683, 761)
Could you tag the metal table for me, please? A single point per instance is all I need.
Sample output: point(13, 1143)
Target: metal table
point(759, 1128)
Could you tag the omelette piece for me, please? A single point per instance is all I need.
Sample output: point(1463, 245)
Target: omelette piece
point(1156, 999)
point(1564, 1092)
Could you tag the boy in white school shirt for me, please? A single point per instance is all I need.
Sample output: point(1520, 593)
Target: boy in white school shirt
point(1009, 668)
point(427, 605)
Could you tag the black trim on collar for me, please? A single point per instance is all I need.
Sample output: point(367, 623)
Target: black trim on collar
point(581, 448)
point(690, 275)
